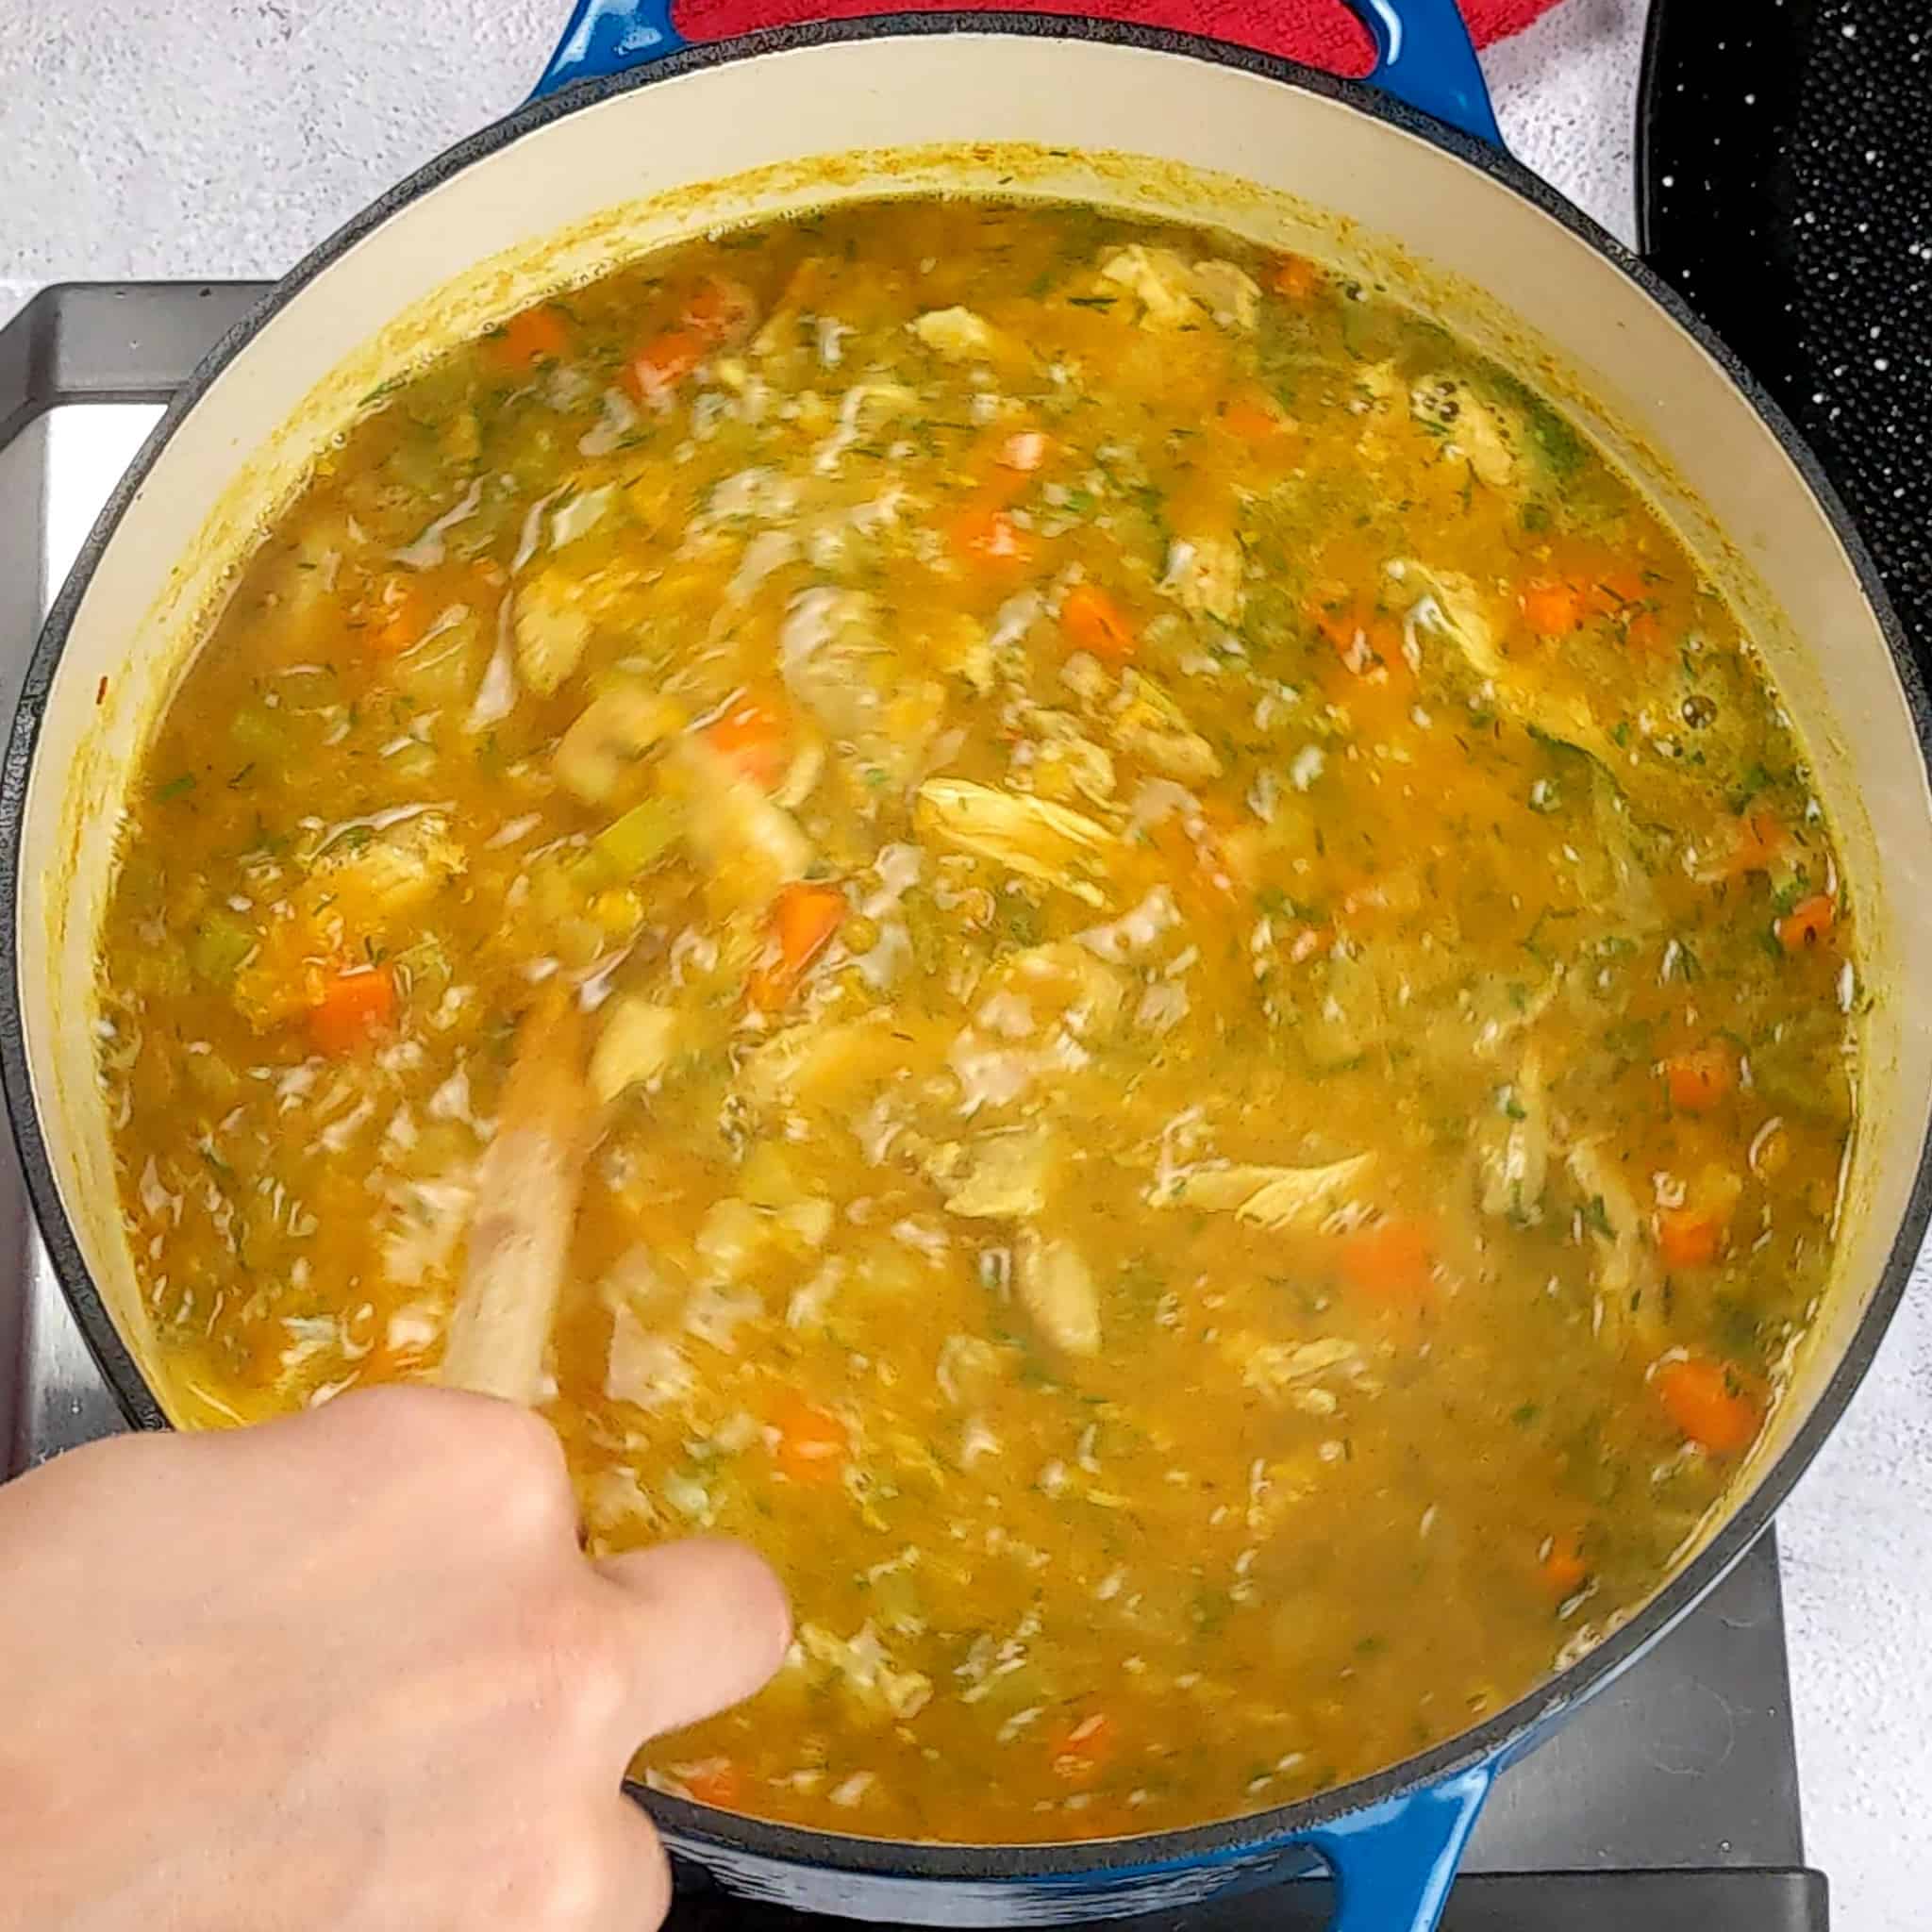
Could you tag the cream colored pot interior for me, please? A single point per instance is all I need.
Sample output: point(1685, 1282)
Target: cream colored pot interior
point(992, 113)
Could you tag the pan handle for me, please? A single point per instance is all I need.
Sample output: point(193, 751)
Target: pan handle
point(1423, 58)
point(1395, 1862)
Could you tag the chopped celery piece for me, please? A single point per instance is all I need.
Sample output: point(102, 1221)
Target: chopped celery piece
point(637, 841)
point(222, 942)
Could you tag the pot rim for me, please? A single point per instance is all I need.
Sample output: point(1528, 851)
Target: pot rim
point(694, 1827)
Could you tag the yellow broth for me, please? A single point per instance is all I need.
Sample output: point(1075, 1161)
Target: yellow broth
point(1222, 1012)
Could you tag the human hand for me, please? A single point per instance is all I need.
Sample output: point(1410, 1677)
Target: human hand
point(345, 1671)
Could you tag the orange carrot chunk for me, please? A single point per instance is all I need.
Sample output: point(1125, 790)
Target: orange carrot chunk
point(657, 367)
point(1708, 1402)
point(1687, 1238)
point(812, 1442)
point(1807, 924)
point(1616, 591)
point(715, 1782)
point(750, 736)
point(1550, 609)
point(1388, 1263)
point(1081, 1747)
point(803, 918)
point(401, 616)
point(1096, 623)
point(537, 335)
point(720, 309)
point(1562, 1568)
point(1643, 633)
point(355, 1002)
point(1296, 277)
point(1700, 1080)
point(1759, 841)
point(990, 537)
point(1254, 418)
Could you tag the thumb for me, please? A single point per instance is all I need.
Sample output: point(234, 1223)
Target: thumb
point(710, 1624)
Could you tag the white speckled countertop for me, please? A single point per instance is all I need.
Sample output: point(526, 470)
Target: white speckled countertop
point(215, 137)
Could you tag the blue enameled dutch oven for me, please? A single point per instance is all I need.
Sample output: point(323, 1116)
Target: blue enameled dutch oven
point(632, 140)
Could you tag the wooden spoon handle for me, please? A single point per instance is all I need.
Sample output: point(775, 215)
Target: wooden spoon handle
point(526, 1202)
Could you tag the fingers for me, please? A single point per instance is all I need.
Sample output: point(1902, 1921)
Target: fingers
point(707, 1625)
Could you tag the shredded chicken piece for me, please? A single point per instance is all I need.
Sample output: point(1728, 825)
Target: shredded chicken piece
point(1175, 294)
point(1154, 728)
point(644, 1367)
point(1628, 1282)
point(1203, 574)
point(1029, 836)
point(551, 629)
point(1451, 610)
point(1278, 1198)
point(1056, 1287)
point(866, 1668)
point(1003, 1176)
point(957, 334)
point(1063, 979)
point(1275, 1367)
point(1515, 1162)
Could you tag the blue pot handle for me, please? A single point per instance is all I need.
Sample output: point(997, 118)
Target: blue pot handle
point(1422, 53)
point(1395, 1862)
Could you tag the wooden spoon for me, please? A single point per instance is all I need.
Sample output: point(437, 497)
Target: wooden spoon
point(526, 1202)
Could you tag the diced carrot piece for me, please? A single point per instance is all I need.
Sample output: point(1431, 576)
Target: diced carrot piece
point(657, 367)
point(355, 1002)
point(803, 918)
point(990, 537)
point(812, 1442)
point(1296, 277)
point(1363, 641)
point(715, 1782)
point(1643, 633)
point(1254, 418)
point(1096, 623)
point(753, 737)
point(1561, 1569)
point(1081, 1748)
point(1760, 842)
point(1688, 1238)
point(537, 335)
point(1550, 609)
point(1700, 1080)
point(1807, 923)
point(1025, 451)
point(1388, 1263)
point(1709, 1403)
point(720, 309)
point(1615, 590)
point(401, 615)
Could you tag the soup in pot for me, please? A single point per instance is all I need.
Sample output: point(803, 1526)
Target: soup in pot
point(1223, 1014)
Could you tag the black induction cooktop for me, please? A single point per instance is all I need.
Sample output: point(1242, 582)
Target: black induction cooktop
point(1784, 187)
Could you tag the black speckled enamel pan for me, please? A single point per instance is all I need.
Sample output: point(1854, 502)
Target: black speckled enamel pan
point(633, 141)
